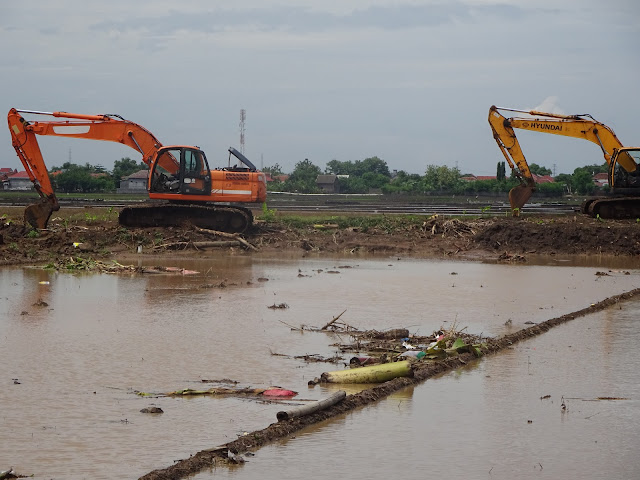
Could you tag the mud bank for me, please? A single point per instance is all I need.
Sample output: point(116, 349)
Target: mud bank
point(92, 233)
point(254, 440)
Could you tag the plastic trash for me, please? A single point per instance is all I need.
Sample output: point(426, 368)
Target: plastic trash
point(279, 392)
point(359, 361)
point(413, 354)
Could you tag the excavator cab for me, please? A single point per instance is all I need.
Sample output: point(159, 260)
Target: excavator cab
point(625, 169)
point(180, 171)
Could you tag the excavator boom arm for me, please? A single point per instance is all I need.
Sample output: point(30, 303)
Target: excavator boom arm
point(93, 127)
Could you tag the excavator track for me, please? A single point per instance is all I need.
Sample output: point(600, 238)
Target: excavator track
point(612, 207)
point(229, 219)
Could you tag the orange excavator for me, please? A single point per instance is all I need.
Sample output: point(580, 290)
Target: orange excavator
point(623, 200)
point(181, 186)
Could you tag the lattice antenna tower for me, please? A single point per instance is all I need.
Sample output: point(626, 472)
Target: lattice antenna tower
point(243, 117)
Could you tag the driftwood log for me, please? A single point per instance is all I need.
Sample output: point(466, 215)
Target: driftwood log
point(231, 236)
point(332, 321)
point(312, 407)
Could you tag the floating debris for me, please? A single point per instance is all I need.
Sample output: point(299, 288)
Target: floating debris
point(264, 392)
point(278, 306)
point(78, 264)
point(152, 410)
point(512, 257)
point(40, 303)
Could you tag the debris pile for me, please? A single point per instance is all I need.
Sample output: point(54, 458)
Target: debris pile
point(272, 392)
point(78, 264)
point(373, 347)
point(447, 227)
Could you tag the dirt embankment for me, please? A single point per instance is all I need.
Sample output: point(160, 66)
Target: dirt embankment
point(500, 237)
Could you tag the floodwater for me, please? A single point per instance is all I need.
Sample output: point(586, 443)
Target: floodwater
point(77, 347)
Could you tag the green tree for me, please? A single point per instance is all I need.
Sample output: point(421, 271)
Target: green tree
point(404, 183)
point(303, 178)
point(83, 179)
point(374, 165)
point(501, 171)
point(375, 180)
point(538, 170)
point(441, 178)
point(566, 180)
point(551, 189)
point(274, 171)
point(353, 184)
point(359, 167)
point(337, 167)
point(124, 167)
point(582, 181)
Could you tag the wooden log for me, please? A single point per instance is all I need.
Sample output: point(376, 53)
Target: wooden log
point(388, 334)
point(211, 244)
point(312, 407)
point(235, 237)
point(373, 374)
point(332, 321)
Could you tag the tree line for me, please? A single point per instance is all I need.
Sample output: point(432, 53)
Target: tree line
point(363, 176)
point(355, 177)
point(87, 178)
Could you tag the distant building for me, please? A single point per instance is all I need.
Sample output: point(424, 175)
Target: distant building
point(542, 178)
point(18, 181)
point(601, 179)
point(473, 178)
point(4, 177)
point(275, 178)
point(536, 178)
point(134, 183)
point(328, 183)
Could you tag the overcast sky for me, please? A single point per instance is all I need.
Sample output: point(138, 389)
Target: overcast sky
point(408, 81)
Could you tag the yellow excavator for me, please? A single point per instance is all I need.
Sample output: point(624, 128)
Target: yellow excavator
point(623, 200)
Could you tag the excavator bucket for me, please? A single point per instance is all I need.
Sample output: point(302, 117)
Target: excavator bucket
point(38, 214)
point(518, 196)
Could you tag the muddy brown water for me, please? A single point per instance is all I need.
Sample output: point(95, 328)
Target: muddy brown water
point(73, 413)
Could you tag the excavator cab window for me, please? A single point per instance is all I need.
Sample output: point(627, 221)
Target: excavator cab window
point(194, 172)
point(181, 170)
point(622, 178)
point(165, 172)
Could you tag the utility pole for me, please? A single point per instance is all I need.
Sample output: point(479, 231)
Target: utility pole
point(243, 117)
